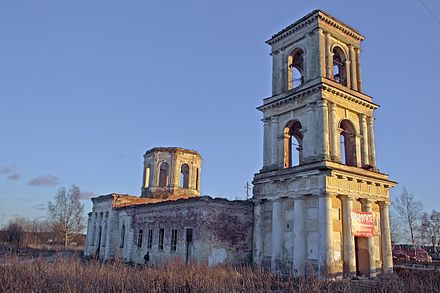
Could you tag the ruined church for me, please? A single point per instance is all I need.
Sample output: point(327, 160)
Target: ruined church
point(319, 201)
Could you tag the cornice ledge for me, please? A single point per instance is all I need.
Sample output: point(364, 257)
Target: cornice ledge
point(291, 97)
point(341, 27)
point(291, 29)
point(349, 97)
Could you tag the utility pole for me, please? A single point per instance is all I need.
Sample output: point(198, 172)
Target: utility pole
point(248, 188)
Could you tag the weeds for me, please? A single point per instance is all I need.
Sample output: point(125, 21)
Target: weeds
point(75, 275)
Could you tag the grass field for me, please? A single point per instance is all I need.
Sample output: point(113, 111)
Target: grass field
point(74, 275)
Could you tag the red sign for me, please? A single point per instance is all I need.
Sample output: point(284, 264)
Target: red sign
point(362, 224)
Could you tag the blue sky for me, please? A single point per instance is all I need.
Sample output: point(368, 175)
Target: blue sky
point(86, 87)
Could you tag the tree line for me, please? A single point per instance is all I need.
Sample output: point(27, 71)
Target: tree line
point(410, 224)
point(64, 223)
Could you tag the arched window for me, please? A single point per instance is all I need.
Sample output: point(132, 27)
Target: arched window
point(184, 176)
point(163, 174)
point(348, 143)
point(122, 236)
point(292, 147)
point(295, 64)
point(147, 177)
point(339, 67)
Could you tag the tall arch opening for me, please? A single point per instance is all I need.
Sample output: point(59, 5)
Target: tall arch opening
point(339, 66)
point(184, 176)
point(163, 174)
point(348, 143)
point(147, 177)
point(295, 68)
point(292, 144)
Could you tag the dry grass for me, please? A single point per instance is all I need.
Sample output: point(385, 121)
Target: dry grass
point(74, 275)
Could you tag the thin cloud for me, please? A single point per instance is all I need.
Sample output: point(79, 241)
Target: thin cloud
point(46, 180)
point(86, 195)
point(41, 206)
point(5, 170)
point(14, 176)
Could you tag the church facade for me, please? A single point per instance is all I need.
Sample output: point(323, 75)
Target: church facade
point(319, 201)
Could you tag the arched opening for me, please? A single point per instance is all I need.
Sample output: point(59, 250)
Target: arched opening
point(292, 147)
point(147, 177)
point(295, 69)
point(348, 143)
point(339, 67)
point(163, 174)
point(184, 176)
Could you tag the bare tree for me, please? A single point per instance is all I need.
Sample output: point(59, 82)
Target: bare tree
point(409, 210)
point(430, 228)
point(14, 233)
point(66, 213)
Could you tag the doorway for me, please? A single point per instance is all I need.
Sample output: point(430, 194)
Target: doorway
point(362, 256)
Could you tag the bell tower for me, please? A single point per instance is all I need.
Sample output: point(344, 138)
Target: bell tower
point(319, 158)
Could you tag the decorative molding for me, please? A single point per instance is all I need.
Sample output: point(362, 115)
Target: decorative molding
point(312, 18)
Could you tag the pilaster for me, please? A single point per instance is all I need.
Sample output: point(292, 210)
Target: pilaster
point(354, 82)
point(348, 239)
point(277, 235)
point(387, 256)
point(299, 236)
point(371, 144)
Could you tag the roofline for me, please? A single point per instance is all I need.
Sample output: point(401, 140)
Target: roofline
point(318, 14)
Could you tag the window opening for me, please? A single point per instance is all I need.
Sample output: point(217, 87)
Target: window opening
point(184, 176)
point(150, 239)
point(197, 179)
point(140, 234)
point(161, 234)
point(163, 174)
point(348, 143)
point(173, 240)
point(296, 69)
point(147, 177)
point(339, 67)
point(292, 147)
point(122, 236)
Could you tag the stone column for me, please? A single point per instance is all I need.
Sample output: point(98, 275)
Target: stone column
point(354, 82)
point(347, 72)
point(371, 145)
point(276, 73)
point(322, 118)
point(357, 139)
point(308, 145)
point(277, 235)
point(364, 140)
point(307, 60)
point(387, 256)
point(258, 234)
point(274, 139)
point(325, 247)
point(266, 143)
point(358, 69)
point(334, 137)
point(329, 56)
point(349, 252)
point(299, 237)
point(366, 207)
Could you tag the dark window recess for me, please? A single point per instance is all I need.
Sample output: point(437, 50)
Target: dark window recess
point(150, 239)
point(161, 234)
point(140, 234)
point(122, 236)
point(173, 240)
point(189, 235)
